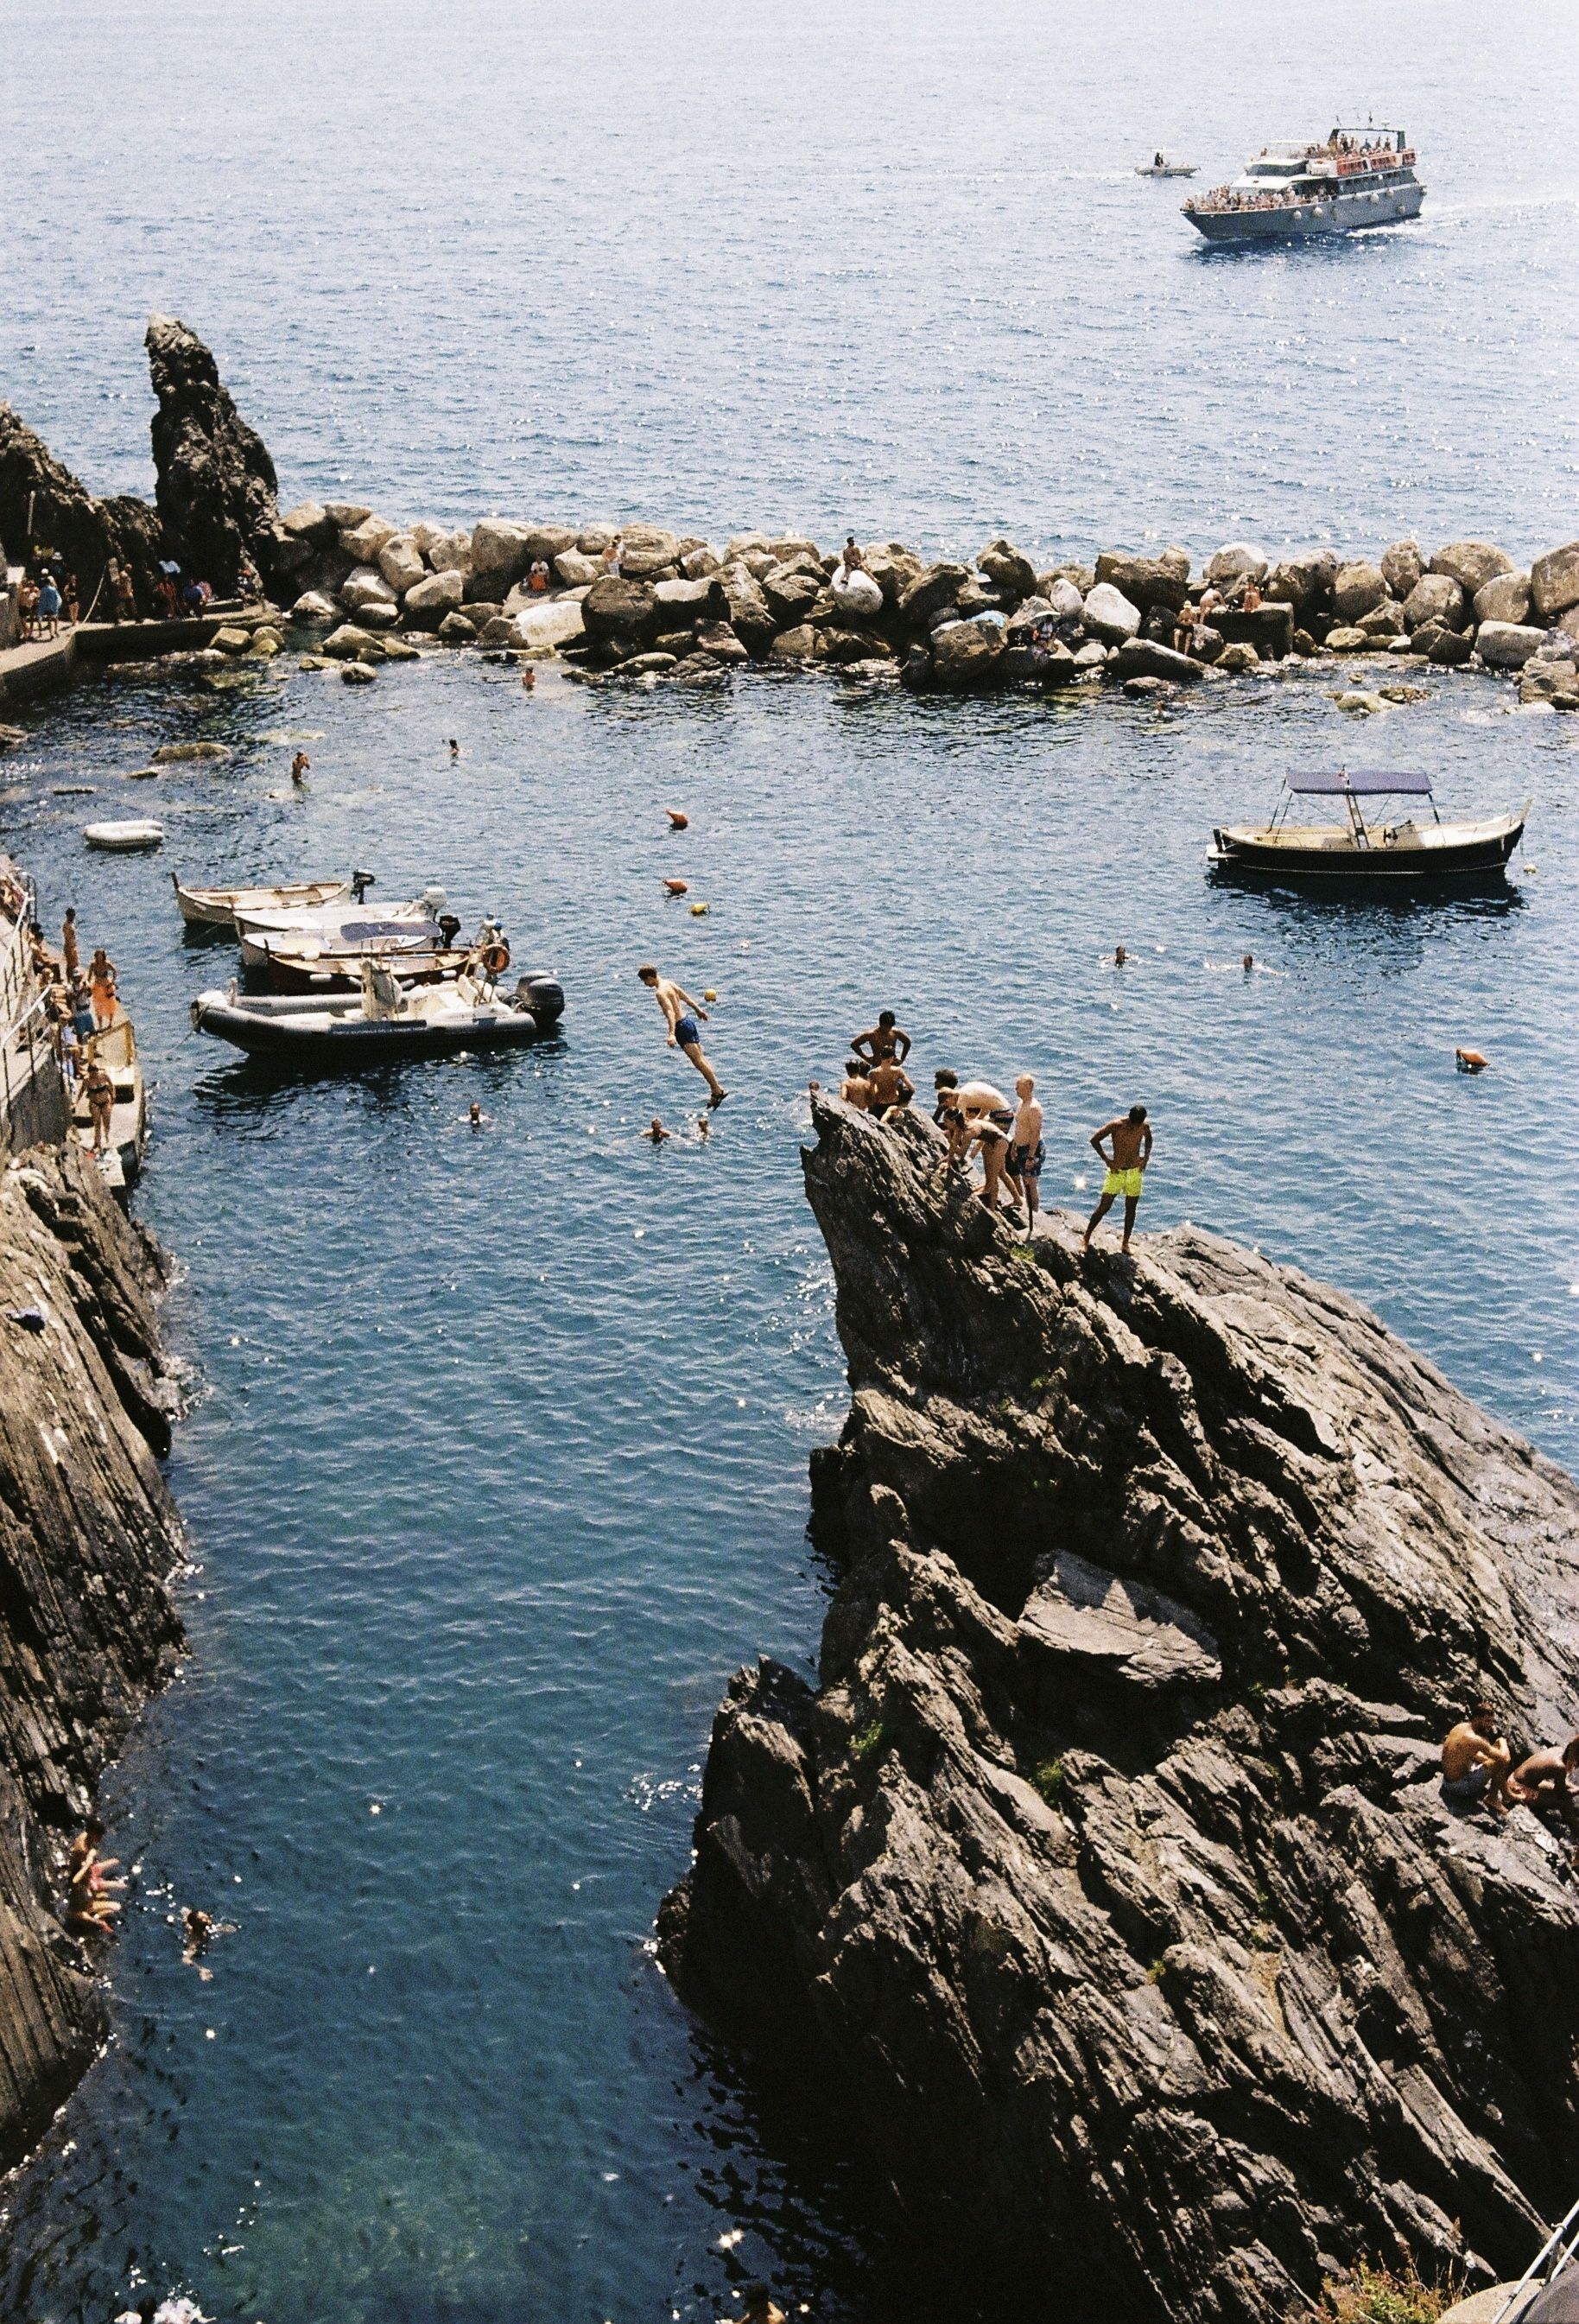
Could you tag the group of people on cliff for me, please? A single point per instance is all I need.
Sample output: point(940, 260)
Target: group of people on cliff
point(1479, 1770)
point(79, 1002)
point(981, 1124)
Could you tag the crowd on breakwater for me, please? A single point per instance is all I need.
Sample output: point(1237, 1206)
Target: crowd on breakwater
point(637, 600)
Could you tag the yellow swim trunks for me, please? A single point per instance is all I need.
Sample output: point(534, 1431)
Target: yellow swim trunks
point(1123, 1182)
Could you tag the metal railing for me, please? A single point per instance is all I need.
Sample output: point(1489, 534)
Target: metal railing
point(31, 1082)
point(1554, 2254)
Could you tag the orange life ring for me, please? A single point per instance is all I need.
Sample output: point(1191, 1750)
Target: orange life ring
point(496, 958)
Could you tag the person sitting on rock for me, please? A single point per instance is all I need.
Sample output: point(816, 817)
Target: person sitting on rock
point(1543, 1782)
point(1251, 601)
point(1184, 622)
point(853, 560)
point(538, 576)
point(1476, 1762)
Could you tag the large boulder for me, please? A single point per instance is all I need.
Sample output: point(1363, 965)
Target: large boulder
point(548, 622)
point(1065, 601)
point(620, 611)
point(311, 523)
point(1235, 559)
point(683, 600)
point(349, 642)
point(645, 549)
point(1505, 599)
point(314, 606)
point(801, 643)
point(365, 587)
point(1009, 570)
point(750, 615)
point(545, 542)
point(363, 541)
point(1506, 645)
point(499, 555)
point(1470, 563)
point(215, 484)
point(347, 515)
point(933, 588)
point(1304, 581)
point(968, 653)
point(432, 598)
point(1448, 648)
point(575, 569)
point(450, 552)
point(893, 567)
point(1402, 565)
point(1436, 601)
point(790, 590)
point(1148, 658)
point(1383, 621)
point(399, 560)
point(1148, 581)
point(1554, 582)
point(1357, 589)
point(1109, 615)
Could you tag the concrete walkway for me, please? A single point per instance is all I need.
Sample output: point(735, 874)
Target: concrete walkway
point(27, 670)
point(30, 669)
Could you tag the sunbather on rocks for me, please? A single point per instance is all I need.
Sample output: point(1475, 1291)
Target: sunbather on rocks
point(1543, 1782)
point(1476, 1762)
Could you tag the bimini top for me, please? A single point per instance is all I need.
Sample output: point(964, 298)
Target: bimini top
point(1353, 786)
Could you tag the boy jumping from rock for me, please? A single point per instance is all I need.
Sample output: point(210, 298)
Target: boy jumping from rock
point(680, 1015)
point(1131, 1140)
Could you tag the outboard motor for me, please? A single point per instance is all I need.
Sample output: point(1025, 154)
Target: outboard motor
point(361, 882)
point(543, 997)
point(449, 928)
point(433, 901)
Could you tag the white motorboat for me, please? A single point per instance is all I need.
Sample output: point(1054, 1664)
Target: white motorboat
point(133, 836)
point(326, 920)
point(1159, 166)
point(382, 1020)
point(217, 907)
point(1372, 852)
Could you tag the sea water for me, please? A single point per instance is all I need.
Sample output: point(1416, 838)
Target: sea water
point(496, 1464)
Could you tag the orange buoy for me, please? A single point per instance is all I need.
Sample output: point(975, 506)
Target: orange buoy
point(1470, 1060)
point(675, 887)
point(680, 822)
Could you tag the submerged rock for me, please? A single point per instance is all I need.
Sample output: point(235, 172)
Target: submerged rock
point(1101, 1891)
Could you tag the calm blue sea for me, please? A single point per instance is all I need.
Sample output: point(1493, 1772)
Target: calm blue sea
point(496, 1463)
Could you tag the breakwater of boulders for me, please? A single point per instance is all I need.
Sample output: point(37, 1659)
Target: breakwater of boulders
point(639, 601)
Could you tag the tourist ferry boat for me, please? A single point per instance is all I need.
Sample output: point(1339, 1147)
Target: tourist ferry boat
point(1358, 178)
point(1376, 853)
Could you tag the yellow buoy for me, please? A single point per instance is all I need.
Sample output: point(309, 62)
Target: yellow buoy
point(710, 994)
point(697, 910)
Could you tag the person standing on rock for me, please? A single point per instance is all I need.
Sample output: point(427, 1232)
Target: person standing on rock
point(680, 1015)
point(891, 1087)
point(71, 960)
point(883, 1039)
point(1026, 1151)
point(100, 1092)
point(125, 596)
point(609, 559)
point(101, 971)
point(1476, 1762)
point(1130, 1139)
point(856, 1089)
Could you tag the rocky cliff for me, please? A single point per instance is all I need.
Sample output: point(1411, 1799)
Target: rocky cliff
point(215, 490)
point(1101, 1890)
point(87, 1536)
point(65, 515)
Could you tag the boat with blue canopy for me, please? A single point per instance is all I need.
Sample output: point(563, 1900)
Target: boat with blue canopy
point(1368, 845)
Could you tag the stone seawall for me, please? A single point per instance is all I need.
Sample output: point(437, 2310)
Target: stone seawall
point(1101, 1891)
point(88, 1536)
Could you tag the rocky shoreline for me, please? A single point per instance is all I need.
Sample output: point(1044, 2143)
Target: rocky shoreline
point(1100, 1893)
point(88, 1538)
point(622, 601)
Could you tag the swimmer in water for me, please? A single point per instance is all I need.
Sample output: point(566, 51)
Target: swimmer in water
point(528, 680)
point(703, 1127)
point(300, 766)
point(1119, 957)
point(197, 1928)
point(474, 1114)
point(454, 748)
point(656, 1134)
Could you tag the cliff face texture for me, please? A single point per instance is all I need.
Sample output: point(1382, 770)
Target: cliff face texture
point(1102, 1889)
point(216, 489)
point(65, 516)
point(87, 1536)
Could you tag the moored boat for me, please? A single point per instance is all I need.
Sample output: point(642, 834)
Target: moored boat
point(132, 836)
point(218, 908)
point(114, 1047)
point(1373, 852)
point(382, 1020)
point(1358, 178)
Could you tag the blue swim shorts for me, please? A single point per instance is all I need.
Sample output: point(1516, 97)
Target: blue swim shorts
point(687, 1030)
point(1025, 1161)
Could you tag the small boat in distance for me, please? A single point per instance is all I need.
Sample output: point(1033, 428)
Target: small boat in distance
point(1159, 166)
point(1359, 178)
point(133, 836)
point(217, 907)
point(1376, 853)
point(382, 1020)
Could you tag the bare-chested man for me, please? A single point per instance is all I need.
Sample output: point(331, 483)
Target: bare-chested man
point(1476, 1762)
point(963, 1107)
point(891, 1086)
point(1026, 1152)
point(680, 1015)
point(856, 1089)
point(884, 1040)
point(1543, 1782)
point(1130, 1138)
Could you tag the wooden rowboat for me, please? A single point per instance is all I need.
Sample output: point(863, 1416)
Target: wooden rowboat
point(216, 908)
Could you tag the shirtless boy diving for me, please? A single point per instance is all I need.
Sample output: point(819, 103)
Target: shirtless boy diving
point(680, 1015)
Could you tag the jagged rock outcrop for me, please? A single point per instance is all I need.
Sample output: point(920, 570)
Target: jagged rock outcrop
point(41, 503)
point(87, 1536)
point(216, 486)
point(1101, 1890)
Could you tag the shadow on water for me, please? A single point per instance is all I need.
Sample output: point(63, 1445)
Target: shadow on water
point(247, 1086)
